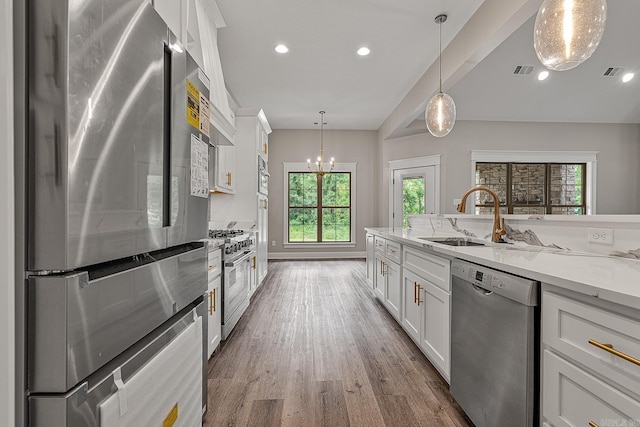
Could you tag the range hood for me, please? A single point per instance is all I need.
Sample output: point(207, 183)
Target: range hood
point(207, 18)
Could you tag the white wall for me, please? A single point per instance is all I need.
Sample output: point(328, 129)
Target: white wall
point(346, 147)
point(7, 281)
point(618, 180)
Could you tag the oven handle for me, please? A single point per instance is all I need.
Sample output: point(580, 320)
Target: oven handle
point(238, 261)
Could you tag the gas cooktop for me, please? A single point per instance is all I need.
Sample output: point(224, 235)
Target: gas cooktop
point(222, 234)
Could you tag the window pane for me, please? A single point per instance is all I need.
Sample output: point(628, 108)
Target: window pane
point(336, 225)
point(303, 189)
point(528, 181)
point(494, 177)
point(566, 184)
point(336, 189)
point(412, 197)
point(303, 225)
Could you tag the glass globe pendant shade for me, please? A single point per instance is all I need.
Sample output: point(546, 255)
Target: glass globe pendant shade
point(440, 114)
point(567, 32)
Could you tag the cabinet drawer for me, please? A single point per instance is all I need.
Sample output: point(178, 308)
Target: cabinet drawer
point(214, 263)
point(432, 268)
point(568, 325)
point(573, 397)
point(393, 251)
point(380, 244)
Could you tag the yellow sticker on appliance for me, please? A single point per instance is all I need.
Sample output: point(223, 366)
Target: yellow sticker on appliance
point(193, 105)
point(171, 418)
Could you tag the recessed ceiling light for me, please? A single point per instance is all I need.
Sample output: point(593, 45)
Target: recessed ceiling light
point(543, 75)
point(627, 77)
point(281, 48)
point(364, 51)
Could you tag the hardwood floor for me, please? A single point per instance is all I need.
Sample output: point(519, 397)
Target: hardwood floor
point(316, 348)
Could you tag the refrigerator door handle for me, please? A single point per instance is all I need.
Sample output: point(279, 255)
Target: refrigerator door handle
point(166, 137)
point(57, 154)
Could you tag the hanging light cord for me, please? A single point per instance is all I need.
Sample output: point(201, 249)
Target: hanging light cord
point(440, 25)
point(322, 135)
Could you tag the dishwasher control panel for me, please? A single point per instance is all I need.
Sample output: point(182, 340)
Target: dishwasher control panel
point(508, 285)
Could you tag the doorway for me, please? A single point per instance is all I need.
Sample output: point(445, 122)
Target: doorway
point(414, 189)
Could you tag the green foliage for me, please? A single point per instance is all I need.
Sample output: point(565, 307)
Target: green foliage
point(335, 209)
point(412, 197)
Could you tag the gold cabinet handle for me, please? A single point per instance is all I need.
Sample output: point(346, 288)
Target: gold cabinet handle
point(265, 204)
point(228, 178)
point(211, 302)
point(415, 292)
point(419, 300)
point(254, 263)
point(264, 148)
point(215, 296)
point(384, 271)
point(592, 424)
point(609, 348)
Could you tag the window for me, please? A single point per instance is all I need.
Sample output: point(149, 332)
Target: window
point(532, 188)
point(319, 208)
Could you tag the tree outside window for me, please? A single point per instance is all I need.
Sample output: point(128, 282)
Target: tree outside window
point(319, 208)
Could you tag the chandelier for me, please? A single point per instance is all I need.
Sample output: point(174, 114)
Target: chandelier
point(440, 114)
point(319, 164)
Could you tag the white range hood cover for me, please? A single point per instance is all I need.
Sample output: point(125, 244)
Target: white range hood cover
point(209, 19)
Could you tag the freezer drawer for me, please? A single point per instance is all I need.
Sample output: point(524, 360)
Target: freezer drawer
point(77, 323)
point(161, 378)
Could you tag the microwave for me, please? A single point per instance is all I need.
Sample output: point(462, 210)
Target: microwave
point(263, 176)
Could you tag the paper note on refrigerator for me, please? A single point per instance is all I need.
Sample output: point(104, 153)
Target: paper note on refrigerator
point(204, 115)
point(199, 167)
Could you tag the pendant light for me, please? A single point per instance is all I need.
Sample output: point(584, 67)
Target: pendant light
point(567, 32)
point(440, 114)
point(319, 164)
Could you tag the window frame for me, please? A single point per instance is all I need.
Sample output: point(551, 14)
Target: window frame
point(302, 168)
point(589, 158)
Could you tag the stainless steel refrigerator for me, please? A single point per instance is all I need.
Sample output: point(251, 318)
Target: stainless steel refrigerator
point(117, 200)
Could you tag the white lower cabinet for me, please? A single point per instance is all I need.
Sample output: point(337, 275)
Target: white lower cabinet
point(586, 380)
point(410, 308)
point(415, 287)
point(427, 305)
point(213, 296)
point(215, 318)
point(573, 397)
point(393, 285)
point(370, 258)
point(435, 333)
point(387, 284)
point(379, 279)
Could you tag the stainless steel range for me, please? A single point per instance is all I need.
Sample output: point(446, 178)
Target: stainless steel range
point(237, 254)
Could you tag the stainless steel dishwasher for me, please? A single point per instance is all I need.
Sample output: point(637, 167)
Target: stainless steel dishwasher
point(495, 320)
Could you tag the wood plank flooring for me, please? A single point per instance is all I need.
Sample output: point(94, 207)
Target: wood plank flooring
point(316, 348)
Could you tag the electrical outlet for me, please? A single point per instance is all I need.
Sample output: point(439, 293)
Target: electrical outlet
point(273, 243)
point(603, 236)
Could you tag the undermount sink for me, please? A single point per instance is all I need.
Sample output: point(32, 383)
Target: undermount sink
point(452, 241)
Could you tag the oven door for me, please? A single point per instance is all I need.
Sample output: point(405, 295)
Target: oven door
point(235, 285)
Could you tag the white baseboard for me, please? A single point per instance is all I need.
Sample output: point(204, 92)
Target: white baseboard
point(315, 255)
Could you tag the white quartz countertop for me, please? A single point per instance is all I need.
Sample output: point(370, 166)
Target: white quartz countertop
point(609, 278)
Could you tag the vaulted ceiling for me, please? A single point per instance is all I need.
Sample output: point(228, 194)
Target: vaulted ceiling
point(323, 72)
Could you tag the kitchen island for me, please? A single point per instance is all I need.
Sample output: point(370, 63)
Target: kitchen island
point(590, 321)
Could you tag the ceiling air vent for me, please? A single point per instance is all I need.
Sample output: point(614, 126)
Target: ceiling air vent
point(613, 72)
point(523, 70)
